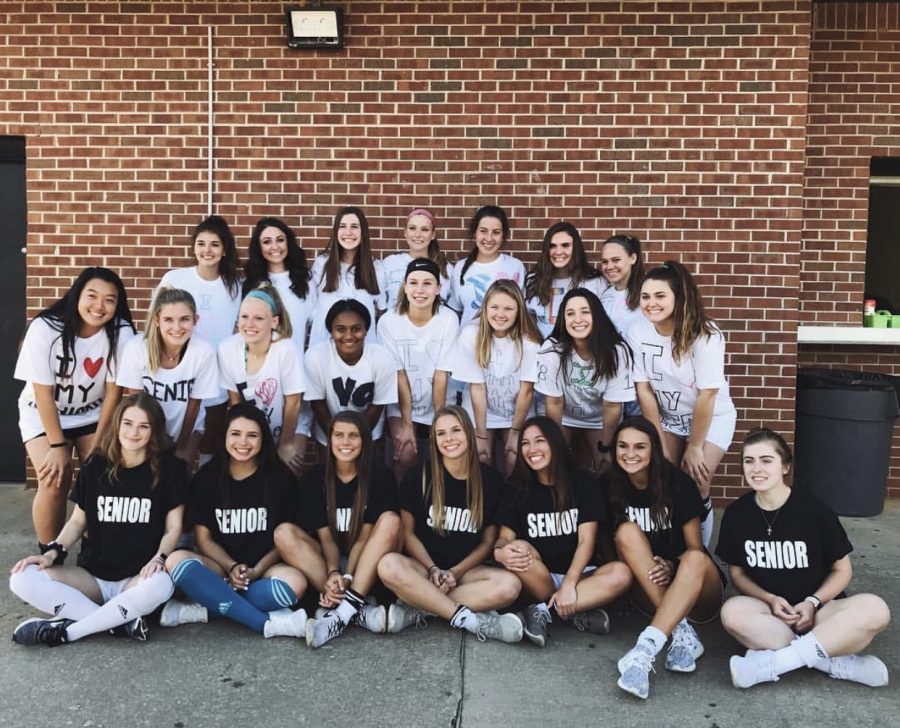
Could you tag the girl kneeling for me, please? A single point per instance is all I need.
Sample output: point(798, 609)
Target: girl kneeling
point(447, 508)
point(129, 496)
point(548, 533)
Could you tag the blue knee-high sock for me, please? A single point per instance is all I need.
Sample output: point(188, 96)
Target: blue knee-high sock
point(267, 595)
point(210, 590)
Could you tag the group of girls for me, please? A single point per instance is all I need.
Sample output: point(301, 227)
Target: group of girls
point(591, 346)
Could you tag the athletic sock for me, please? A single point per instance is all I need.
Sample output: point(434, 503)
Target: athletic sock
point(34, 585)
point(706, 525)
point(267, 595)
point(653, 638)
point(350, 605)
point(464, 618)
point(811, 652)
point(210, 590)
point(125, 607)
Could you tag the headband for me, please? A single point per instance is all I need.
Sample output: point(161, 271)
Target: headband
point(422, 211)
point(265, 297)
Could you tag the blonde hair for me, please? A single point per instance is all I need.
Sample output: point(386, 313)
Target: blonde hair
point(523, 328)
point(165, 296)
point(284, 328)
point(474, 486)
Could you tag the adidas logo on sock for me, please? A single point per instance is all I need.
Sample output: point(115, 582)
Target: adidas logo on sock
point(224, 607)
point(821, 654)
point(123, 611)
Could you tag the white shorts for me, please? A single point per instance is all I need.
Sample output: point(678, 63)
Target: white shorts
point(558, 578)
point(110, 589)
point(721, 430)
point(305, 420)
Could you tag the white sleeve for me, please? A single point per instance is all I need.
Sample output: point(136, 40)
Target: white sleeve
point(33, 364)
point(386, 337)
point(385, 370)
point(465, 366)
point(314, 363)
point(206, 373)
point(634, 341)
point(131, 364)
point(448, 342)
point(547, 381)
point(620, 388)
point(528, 365)
point(293, 378)
point(227, 378)
point(708, 358)
point(126, 334)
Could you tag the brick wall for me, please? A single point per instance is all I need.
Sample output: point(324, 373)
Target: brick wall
point(680, 122)
point(854, 114)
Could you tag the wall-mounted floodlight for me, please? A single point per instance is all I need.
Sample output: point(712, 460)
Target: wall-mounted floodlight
point(319, 27)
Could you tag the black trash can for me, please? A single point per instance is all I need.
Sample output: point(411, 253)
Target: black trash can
point(845, 421)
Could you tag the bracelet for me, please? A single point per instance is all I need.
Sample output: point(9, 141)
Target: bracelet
point(515, 429)
point(333, 571)
point(482, 437)
point(59, 444)
point(433, 566)
point(161, 557)
point(61, 552)
point(815, 601)
point(236, 563)
point(348, 578)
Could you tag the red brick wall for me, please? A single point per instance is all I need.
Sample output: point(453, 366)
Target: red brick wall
point(681, 122)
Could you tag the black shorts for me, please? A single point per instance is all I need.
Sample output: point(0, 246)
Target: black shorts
point(73, 433)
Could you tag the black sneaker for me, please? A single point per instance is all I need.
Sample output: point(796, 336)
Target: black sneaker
point(50, 632)
point(137, 629)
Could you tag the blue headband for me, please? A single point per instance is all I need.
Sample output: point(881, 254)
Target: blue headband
point(263, 296)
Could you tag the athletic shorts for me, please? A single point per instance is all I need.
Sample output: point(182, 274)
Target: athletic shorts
point(73, 433)
point(721, 430)
point(558, 578)
point(110, 589)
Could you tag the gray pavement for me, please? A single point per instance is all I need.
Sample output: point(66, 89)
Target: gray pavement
point(222, 675)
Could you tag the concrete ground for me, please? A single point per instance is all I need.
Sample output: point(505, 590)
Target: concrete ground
point(222, 675)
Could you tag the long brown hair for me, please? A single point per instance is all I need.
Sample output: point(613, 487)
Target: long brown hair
point(523, 329)
point(363, 476)
point(562, 464)
point(481, 213)
point(539, 282)
point(631, 246)
point(159, 444)
point(363, 266)
point(435, 485)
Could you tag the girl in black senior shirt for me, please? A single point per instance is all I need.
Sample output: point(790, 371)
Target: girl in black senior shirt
point(656, 509)
point(789, 558)
point(236, 501)
point(129, 497)
point(352, 506)
point(548, 531)
point(447, 507)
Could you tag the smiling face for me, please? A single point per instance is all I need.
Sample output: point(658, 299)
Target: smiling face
point(134, 431)
point(421, 288)
point(560, 251)
point(633, 452)
point(256, 322)
point(419, 234)
point(616, 264)
point(176, 324)
point(273, 246)
point(450, 437)
point(348, 330)
point(489, 239)
point(501, 311)
point(349, 236)
point(657, 301)
point(96, 305)
point(208, 249)
point(764, 469)
point(346, 442)
point(578, 318)
point(536, 450)
point(243, 440)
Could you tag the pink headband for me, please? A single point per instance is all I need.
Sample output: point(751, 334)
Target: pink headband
point(422, 211)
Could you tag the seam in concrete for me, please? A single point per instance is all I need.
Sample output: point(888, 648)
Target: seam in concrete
point(457, 720)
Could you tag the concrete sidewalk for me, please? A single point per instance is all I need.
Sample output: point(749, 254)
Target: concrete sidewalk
point(222, 675)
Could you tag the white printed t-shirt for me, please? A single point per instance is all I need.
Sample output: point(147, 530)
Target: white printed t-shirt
point(545, 316)
point(217, 310)
point(299, 310)
point(615, 303)
point(466, 298)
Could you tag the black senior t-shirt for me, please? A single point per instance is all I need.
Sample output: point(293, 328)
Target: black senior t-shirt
point(667, 541)
point(381, 497)
point(242, 514)
point(532, 514)
point(125, 518)
point(460, 537)
point(807, 538)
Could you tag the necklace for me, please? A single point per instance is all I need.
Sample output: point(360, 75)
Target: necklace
point(769, 524)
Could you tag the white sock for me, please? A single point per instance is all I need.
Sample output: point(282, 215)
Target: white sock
point(464, 618)
point(653, 638)
point(812, 653)
point(59, 600)
point(125, 607)
point(345, 611)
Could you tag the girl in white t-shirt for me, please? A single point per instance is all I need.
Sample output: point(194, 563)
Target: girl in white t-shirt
point(562, 266)
point(622, 265)
point(472, 276)
point(679, 374)
point(420, 334)
point(174, 367)
point(349, 372)
point(346, 270)
point(497, 356)
point(584, 372)
point(421, 238)
point(261, 365)
point(68, 362)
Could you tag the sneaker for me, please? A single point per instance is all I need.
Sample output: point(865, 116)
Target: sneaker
point(757, 666)
point(136, 629)
point(50, 632)
point(865, 669)
point(634, 669)
point(372, 617)
point(322, 630)
point(178, 612)
point(285, 625)
point(493, 626)
point(536, 623)
point(401, 615)
point(685, 650)
point(596, 621)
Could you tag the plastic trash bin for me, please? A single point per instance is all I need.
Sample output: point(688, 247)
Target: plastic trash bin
point(845, 421)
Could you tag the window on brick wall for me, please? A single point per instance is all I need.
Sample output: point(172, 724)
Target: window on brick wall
point(883, 241)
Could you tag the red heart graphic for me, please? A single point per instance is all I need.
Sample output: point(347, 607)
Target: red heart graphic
point(92, 367)
point(265, 391)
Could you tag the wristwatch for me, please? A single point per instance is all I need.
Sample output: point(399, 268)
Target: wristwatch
point(815, 601)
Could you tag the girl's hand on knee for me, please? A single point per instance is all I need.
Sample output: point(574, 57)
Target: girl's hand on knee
point(515, 556)
point(695, 464)
point(782, 609)
point(661, 574)
point(237, 577)
point(564, 600)
point(42, 562)
point(156, 564)
point(55, 467)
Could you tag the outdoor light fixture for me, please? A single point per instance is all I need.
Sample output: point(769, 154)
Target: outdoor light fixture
point(313, 26)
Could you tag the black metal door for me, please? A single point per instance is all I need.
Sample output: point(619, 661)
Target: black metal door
point(12, 300)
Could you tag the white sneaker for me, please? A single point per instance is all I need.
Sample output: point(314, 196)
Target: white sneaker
point(324, 629)
point(401, 615)
point(372, 617)
point(757, 666)
point(493, 626)
point(285, 625)
point(685, 650)
point(864, 669)
point(178, 612)
point(634, 669)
